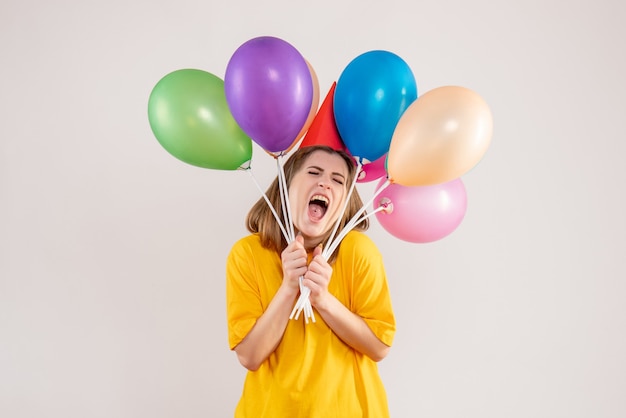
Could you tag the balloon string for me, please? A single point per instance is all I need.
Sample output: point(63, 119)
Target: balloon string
point(284, 195)
point(289, 237)
point(301, 304)
point(334, 243)
point(280, 224)
point(303, 301)
point(345, 205)
point(351, 226)
point(354, 221)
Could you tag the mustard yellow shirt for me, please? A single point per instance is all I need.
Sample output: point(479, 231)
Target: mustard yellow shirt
point(312, 373)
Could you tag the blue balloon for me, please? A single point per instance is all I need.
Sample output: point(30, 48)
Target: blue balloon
point(371, 94)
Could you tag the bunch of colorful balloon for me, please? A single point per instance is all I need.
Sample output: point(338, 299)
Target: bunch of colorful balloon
point(417, 147)
point(269, 95)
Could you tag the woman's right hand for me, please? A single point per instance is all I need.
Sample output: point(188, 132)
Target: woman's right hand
point(294, 259)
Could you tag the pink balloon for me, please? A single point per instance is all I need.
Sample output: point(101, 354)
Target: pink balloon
point(422, 214)
point(373, 170)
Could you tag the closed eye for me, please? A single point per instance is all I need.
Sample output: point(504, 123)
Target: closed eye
point(337, 177)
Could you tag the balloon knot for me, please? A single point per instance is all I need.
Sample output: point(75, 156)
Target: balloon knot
point(386, 204)
point(245, 166)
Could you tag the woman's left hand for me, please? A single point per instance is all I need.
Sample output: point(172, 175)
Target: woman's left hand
point(317, 278)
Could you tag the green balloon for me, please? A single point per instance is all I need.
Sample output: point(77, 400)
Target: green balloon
point(190, 118)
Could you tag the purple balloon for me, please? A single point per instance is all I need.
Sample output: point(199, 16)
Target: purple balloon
point(422, 214)
point(269, 91)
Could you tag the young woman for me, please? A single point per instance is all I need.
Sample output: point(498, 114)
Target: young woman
point(325, 368)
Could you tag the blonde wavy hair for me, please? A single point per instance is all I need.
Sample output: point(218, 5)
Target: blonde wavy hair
point(261, 220)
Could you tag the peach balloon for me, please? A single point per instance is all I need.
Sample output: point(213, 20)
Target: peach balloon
point(441, 135)
point(314, 104)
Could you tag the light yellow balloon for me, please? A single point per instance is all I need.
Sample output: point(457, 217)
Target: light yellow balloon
point(440, 136)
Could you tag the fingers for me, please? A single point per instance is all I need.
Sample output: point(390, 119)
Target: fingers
point(300, 239)
point(316, 274)
point(319, 272)
point(318, 265)
point(294, 260)
point(317, 279)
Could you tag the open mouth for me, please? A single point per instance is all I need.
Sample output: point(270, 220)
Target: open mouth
point(317, 207)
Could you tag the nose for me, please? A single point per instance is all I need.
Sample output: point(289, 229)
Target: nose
point(324, 183)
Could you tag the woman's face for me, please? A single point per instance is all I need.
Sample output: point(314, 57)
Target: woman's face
point(317, 193)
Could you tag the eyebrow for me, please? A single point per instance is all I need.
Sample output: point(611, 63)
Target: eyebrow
point(335, 173)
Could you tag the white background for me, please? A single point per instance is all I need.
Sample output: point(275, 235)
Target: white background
point(112, 251)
